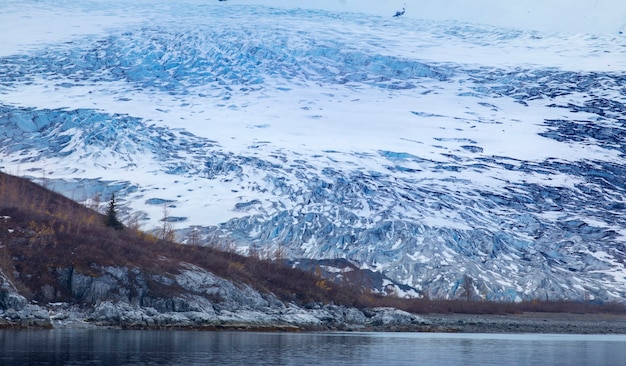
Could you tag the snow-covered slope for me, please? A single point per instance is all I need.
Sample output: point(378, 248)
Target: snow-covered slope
point(432, 151)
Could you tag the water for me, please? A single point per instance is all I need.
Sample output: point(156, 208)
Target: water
point(117, 347)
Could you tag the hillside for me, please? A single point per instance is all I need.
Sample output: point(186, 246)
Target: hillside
point(54, 251)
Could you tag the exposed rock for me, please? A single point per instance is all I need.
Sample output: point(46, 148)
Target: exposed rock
point(15, 310)
point(107, 283)
point(10, 299)
point(202, 300)
point(225, 293)
point(391, 316)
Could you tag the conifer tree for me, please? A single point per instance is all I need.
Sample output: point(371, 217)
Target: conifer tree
point(111, 219)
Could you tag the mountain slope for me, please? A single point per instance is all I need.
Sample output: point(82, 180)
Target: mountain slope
point(431, 152)
point(61, 266)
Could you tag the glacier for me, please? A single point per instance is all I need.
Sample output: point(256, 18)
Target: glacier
point(427, 150)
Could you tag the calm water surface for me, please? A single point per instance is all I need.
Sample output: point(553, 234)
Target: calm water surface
point(117, 347)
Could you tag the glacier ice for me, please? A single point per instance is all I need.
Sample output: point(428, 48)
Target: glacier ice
point(458, 192)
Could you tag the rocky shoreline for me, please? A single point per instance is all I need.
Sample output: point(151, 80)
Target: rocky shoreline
point(119, 298)
point(297, 319)
point(277, 317)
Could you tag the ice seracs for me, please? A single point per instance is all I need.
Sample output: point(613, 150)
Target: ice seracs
point(432, 152)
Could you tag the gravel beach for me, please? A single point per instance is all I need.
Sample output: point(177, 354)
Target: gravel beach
point(530, 323)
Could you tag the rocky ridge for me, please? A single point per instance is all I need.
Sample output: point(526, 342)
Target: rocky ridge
point(234, 307)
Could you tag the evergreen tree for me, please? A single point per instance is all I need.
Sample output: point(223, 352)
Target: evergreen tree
point(111, 219)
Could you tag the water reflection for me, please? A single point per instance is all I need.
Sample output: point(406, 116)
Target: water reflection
point(117, 347)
